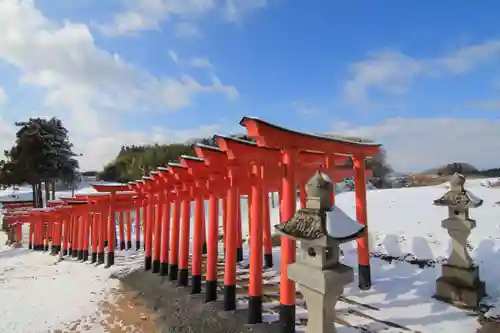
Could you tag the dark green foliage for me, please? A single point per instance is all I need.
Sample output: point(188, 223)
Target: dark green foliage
point(463, 168)
point(491, 172)
point(90, 173)
point(134, 161)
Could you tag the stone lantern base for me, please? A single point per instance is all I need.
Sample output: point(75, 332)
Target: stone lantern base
point(460, 286)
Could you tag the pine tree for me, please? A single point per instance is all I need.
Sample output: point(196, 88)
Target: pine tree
point(42, 153)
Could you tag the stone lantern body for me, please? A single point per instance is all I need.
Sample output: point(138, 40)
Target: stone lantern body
point(320, 228)
point(459, 283)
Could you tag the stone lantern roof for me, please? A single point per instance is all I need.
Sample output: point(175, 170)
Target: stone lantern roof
point(458, 196)
point(321, 221)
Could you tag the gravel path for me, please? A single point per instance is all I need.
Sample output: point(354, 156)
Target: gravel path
point(177, 311)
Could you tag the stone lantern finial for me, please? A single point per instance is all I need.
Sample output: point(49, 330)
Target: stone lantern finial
point(457, 182)
point(459, 282)
point(318, 190)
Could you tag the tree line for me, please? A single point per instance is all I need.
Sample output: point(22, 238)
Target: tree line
point(136, 161)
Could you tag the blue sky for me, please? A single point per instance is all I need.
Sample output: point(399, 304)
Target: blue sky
point(421, 77)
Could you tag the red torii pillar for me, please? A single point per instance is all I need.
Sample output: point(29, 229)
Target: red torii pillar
point(291, 142)
point(198, 170)
point(182, 175)
point(157, 187)
point(165, 187)
point(148, 222)
point(177, 187)
point(138, 203)
point(140, 188)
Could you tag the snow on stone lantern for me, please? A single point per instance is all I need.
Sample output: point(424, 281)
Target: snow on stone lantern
point(459, 283)
point(320, 228)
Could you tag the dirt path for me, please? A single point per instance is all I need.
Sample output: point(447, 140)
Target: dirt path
point(123, 311)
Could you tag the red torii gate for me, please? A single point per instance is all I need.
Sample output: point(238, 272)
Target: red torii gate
point(290, 143)
point(184, 192)
point(264, 172)
point(138, 204)
point(213, 188)
point(165, 188)
point(174, 188)
point(98, 205)
point(12, 209)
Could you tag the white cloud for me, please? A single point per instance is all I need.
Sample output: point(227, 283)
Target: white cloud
point(485, 104)
point(187, 30)
point(7, 135)
point(417, 144)
point(142, 15)
point(101, 148)
point(3, 96)
point(173, 56)
point(200, 62)
point(393, 72)
point(235, 9)
point(86, 86)
point(306, 109)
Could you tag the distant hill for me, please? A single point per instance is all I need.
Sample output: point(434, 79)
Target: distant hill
point(449, 169)
point(463, 168)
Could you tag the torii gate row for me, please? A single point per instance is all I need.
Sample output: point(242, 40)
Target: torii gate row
point(272, 136)
point(98, 222)
point(199, 170)
point(74, 221)
point(189, 177)
point(11, 208)
point(22, 214)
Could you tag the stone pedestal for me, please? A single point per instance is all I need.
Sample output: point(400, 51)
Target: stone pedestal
point(459, 283)
point(321, 290)
point(460, 286)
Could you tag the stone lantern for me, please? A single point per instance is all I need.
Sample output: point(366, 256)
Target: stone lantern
point(320, 228)
point(459, 283)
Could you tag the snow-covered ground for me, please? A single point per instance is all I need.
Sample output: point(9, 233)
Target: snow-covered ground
point(38, 294)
